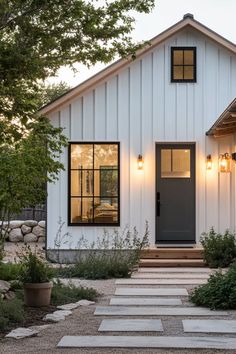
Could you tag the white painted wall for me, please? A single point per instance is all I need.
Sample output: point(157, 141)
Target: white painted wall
point(139, 107)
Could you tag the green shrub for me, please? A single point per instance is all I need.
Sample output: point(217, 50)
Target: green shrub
point(64, 294)
point(113, 256)
point(11, 311)
point(9, 271)
point(219, 292)
point(218, 250)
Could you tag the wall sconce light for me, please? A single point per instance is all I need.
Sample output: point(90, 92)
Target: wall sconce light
point(209, 162)
point(140, 162)
point(225, 162)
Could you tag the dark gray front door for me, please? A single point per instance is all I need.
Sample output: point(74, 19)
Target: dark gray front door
point(175, 193)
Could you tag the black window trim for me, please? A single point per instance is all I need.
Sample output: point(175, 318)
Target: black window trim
point(194, 66)
point(69, 183)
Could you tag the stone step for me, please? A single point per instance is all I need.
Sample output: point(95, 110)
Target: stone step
point(171, 263)
point(209, 326)
point(131, 325)
point(151, 292)
point(155, 311)
point(143, 275)
point(160, 281)
point(172, 253)
point(147, 342)
point(140, 301)
point(158, 270)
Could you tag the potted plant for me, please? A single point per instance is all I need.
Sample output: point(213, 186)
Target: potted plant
point(35, 275)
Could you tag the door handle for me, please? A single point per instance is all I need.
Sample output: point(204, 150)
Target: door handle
point(158, 204)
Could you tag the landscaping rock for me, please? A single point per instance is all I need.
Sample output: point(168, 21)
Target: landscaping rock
point(10, 295)
point(57, 316)
point(71, 306)
point(39, 231)
point(15, 235)
point(25, 229)
point(4, 286)
point(31, 223)
point(42, 223)
point(20, 333)
point(85, 303)
point(42, 239)
point(14, 224)
point(30, 238)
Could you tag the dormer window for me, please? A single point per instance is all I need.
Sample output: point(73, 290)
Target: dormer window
point(183, 64)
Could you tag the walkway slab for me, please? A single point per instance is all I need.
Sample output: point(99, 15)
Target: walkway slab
point(131, 326)
point(209, 326)
point(132, 301)
point(160, 281)
point(147, 342)
point(142, 275)
point(175, 270)
point(151, 292)
point(155, 311)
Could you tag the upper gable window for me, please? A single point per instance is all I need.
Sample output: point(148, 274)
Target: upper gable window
point(183, 64)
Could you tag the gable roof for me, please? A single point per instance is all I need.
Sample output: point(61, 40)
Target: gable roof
point(187, 21)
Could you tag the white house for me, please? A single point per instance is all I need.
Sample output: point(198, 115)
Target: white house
point(165, 106)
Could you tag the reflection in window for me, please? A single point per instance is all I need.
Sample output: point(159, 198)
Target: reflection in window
point(94, 183)
point(175, 163)
point(183, 64)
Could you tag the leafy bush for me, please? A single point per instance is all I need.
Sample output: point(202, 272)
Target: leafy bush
point(218, 250)
point(219, 292)
point(9, 271)
point(33, 268)
point(63, 294)
point(113, 256)
point(11, 311)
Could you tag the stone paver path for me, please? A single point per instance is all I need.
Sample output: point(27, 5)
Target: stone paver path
point(146, 307)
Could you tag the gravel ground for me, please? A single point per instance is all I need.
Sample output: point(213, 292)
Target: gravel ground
point(83, 322)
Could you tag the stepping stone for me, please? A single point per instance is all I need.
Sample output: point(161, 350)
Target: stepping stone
point(147, 342)
point(141, 275)
point(131, 326)
point(175, 270)
point(144, 301)
point(210, 326)
point(155, 311)
point(151, 292)
point(160, 281)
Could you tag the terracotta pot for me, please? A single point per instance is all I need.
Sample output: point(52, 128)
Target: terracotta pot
point(37, 294)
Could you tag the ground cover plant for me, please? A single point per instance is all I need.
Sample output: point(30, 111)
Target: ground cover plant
point(11, 311)
point(219, 292)
point(9, 271)
point(218, 250)
point(113, 256)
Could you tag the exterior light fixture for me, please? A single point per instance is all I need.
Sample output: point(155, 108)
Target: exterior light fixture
point(225, 162)
point(209, 162)
point(140, 162)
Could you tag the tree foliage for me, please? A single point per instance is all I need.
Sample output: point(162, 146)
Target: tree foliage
point(50, 92)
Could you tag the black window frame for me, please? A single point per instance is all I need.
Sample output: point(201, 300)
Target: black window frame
point(194, 49)
point(92, 224)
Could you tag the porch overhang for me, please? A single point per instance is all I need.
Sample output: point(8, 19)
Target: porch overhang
point(226, 123)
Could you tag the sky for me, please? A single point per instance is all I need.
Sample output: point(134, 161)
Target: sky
point(218, 15)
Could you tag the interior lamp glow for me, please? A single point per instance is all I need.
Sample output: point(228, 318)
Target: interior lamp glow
point(140, 162)
point(209, 162)
point(225, 162)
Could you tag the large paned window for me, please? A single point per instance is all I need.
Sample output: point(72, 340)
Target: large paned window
point(183, 64)
point(94, 181)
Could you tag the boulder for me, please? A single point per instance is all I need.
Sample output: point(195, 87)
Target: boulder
point(30, 238)
point(15, 235)
point(15, 224)
point(42, 224)
point(39, 231)
point(31, 223)
point(4, 286)
point(41, 239)
point(10, 295)
point(25, 229)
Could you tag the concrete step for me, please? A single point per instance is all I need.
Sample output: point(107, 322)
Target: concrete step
point(172, 253)
point(171, 263)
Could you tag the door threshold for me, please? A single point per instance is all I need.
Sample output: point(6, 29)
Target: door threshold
point(175, 245)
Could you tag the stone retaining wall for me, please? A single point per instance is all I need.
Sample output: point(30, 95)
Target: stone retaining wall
point(24, 231)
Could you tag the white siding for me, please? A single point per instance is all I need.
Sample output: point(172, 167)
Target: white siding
point(139, 106)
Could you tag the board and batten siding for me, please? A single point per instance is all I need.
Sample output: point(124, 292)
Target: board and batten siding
point(139, 106)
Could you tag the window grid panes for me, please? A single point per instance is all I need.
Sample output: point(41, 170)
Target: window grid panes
point(183, 64)
point(94, 184)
